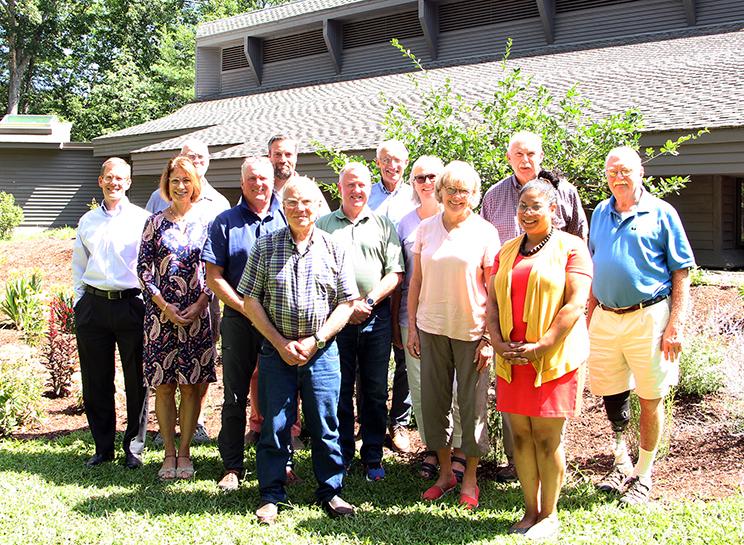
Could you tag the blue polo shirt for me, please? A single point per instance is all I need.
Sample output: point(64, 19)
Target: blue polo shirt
point(233, 233)
point(634, 257)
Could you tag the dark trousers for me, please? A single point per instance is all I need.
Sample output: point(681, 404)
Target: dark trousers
point(240, 345)
point(102, 325)
point(400, 405)
point(365, 346)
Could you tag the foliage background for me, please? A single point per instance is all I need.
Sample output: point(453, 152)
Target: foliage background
point(105, 64)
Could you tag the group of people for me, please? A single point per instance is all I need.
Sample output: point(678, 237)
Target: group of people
point(315, 301)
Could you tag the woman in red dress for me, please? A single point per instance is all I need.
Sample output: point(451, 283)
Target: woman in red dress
point(540, 286)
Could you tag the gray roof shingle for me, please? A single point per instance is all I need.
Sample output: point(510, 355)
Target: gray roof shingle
point(268, 15)
point(683, 83)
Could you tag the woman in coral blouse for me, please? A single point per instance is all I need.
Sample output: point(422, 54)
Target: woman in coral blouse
point(540, 286)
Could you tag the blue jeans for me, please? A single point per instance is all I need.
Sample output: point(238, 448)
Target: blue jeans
point(318, 383)
point(366, 345)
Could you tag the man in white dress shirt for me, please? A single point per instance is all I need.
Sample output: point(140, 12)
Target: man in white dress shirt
point(109, 312)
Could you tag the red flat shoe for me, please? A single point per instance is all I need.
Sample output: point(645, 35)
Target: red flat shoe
point(468, 502)
point(435, 492)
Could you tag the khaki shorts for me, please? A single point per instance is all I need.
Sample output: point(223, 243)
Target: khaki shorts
point(626, 354)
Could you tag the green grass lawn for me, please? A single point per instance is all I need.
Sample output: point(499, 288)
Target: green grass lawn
point(48, 496)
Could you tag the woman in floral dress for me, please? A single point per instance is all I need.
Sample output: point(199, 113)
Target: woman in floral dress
point(178, 349)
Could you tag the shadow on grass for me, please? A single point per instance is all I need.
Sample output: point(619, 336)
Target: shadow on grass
point(390, 510)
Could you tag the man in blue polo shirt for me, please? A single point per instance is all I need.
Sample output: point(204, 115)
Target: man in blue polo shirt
point(231, 238)
point(640, 295)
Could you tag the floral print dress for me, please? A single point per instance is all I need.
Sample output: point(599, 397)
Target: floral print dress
point(170, 263)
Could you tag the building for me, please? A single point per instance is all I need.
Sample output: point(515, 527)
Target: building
point(317, 67)
point(49, 176)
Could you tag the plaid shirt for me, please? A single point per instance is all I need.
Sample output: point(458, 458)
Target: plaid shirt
point(297, 290)
point(500, 208)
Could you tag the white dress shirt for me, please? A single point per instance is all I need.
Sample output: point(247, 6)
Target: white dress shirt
point(104, 255)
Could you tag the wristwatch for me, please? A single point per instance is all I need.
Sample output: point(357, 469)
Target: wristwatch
point(370, 301)
point(319, 344)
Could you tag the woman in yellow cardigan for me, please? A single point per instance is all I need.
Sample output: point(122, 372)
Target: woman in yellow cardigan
point(540, 286)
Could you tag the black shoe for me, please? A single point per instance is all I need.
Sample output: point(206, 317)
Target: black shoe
point(506, 474)
point(133, 461)
point(98, 459)
point(336, 507)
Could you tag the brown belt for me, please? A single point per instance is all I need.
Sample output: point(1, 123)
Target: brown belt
point(642, 304)
point(112, 295)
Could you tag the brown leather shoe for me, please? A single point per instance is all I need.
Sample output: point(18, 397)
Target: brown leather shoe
point(230, 481)
point(399, 438)
point(292, 477)
point(267, 513)
point(337, 507)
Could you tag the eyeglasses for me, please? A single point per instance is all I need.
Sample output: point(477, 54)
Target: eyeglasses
point(457, 191)
point(624, 172)
point(118, 179)
point(535, 207)
point(195, 157)
point(423, 178)
point(294, 203)
point(175, 181)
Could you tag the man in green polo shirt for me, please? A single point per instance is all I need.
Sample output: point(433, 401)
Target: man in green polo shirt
point(365, 342)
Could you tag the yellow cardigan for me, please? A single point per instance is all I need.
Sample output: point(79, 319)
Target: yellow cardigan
point(544, 297)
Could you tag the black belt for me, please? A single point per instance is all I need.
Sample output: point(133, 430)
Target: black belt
point(112, 295)
point(642, 304)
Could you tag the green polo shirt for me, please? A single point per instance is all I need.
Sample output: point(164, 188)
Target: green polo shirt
point(372, 243)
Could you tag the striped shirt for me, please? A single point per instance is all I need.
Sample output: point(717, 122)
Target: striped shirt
point(298, 290)
point(500, 208)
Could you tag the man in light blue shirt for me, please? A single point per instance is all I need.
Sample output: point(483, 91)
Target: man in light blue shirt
point(640, 296)
point(393, 197)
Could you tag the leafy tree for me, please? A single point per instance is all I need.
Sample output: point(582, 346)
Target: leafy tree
point(574, 141)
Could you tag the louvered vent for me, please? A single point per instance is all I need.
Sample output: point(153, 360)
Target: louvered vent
point(294, 46)
point(475, 13)
point(233, 58)
point(562, 6)
point(382, 29)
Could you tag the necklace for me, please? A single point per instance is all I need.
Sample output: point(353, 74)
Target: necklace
point(175, 216)
point(537, 247)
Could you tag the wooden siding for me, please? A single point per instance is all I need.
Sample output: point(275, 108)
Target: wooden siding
point(491, 40)
point(207, 71)
point(718, 11)
point(152, 163)
point(617, 20)
point(52, 186)
point(719, 152)
point(299, 70)
point(124, 145)
point(729, 213)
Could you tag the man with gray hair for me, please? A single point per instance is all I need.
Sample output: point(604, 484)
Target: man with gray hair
point(299, 291)
point(231, 238)
point(499, 206)
point(364, 344)
point(393, 197)
point(637, 308)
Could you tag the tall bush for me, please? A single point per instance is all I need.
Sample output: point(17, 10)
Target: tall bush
point(11, 215)
point(61, 355)
point(443, 123)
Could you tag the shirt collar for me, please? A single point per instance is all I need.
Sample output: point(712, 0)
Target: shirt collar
point(117, 209)
point(385, 189)
point(274, 207)
point(364, 214)
point(515, 183)
point(645, 203)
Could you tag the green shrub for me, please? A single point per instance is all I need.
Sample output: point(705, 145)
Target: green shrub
point(701, 367)
point(697, 277)
point(11, 215)
point(24, 306)
point(20, 393)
